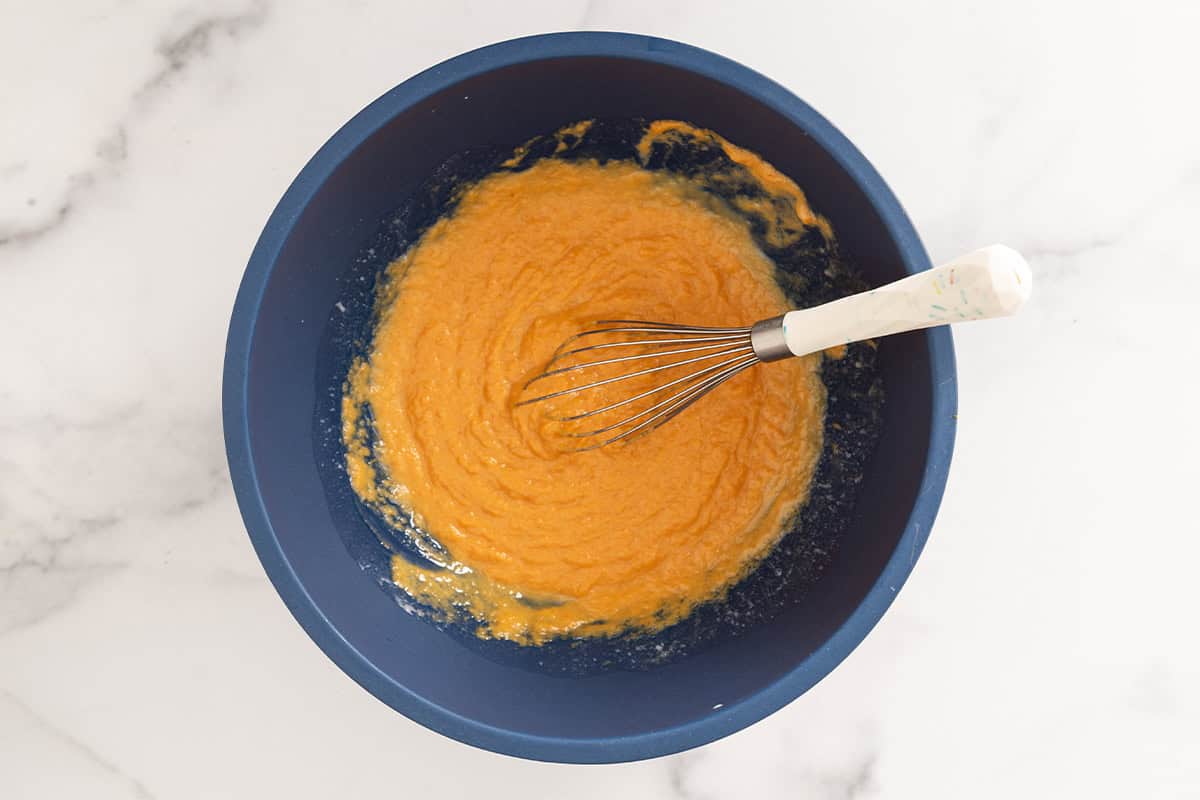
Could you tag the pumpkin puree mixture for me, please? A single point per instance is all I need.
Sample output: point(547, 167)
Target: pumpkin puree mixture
point(525, 538)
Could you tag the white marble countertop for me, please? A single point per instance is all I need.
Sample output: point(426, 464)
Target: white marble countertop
point(1045, 646)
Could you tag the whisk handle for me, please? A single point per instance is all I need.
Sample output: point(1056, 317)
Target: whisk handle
point(987, 283)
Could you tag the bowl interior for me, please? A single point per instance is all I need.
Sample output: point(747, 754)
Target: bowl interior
point(405, 661)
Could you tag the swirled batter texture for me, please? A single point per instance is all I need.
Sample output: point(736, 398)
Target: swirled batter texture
point(524, 538)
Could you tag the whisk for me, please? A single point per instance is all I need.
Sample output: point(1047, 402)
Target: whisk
point(680, 364)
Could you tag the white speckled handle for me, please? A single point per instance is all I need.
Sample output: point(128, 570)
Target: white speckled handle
point(992, 282)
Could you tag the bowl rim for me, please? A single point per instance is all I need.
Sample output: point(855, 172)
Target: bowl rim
point(696, 732)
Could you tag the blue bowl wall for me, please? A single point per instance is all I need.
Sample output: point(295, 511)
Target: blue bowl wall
point(502, 96)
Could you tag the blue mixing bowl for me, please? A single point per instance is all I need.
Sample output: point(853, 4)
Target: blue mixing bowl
point(501, 96)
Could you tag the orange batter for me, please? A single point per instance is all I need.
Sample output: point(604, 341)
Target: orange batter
point(534, 542)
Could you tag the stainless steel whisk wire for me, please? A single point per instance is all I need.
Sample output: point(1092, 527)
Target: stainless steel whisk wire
point(733, 346)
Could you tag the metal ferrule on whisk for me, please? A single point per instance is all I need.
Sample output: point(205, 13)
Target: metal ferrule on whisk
point(766, 337)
